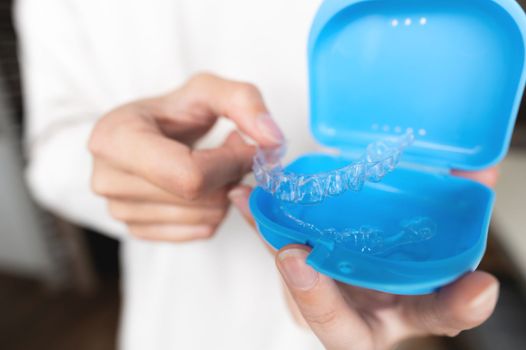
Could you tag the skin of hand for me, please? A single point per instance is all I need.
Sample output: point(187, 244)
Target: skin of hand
point(348, 317)
point(152, 178)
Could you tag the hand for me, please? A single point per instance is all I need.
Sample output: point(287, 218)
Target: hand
point(153, 180)
point(348, 317)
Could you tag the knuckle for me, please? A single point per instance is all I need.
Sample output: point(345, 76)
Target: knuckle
point(109, 126)
point(323, 319)
point(137, 232)
point(99, 185)
point(199, 79)
point(96, 143)
point(218, 216)
point(207, 232)
point(218, 199)
point(222, 200)
point(193, 184)
point(433, 320)
point(245, 93)
point(214, 217)
point(200, 217)
point(118, 211)
point(451, 332)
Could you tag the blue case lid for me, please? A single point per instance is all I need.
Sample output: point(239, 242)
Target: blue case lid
point(451, 70)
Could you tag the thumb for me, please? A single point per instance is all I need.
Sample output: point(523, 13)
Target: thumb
point(226, 164)
point(321, 303)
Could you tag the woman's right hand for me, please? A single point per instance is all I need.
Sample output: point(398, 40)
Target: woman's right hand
point(153, 180)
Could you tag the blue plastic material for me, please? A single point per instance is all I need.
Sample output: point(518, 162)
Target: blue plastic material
point(451, 70)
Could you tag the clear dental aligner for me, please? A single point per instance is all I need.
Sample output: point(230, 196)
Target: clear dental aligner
point(380, 158)
point(372, 240)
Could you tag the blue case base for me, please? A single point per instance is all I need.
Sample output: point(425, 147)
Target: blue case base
point(460, 208)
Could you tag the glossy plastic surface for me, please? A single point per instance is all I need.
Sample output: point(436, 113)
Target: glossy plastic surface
point(452, 70)
point(379, 159)
point(460, 208)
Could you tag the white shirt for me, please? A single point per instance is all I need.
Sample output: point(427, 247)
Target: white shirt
point(82, 58)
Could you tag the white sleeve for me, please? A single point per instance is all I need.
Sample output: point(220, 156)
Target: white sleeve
point(64, 95)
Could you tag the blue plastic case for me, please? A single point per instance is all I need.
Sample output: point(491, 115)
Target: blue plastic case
point(451, 70)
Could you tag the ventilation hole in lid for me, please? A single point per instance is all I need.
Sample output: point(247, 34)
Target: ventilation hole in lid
point(345, 267)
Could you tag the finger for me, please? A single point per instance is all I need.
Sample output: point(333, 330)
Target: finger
point(240, 102)
point(373, 300)
point(462, 305)
point(171, 233)
point(293, 308)
point(239, 196)
point(321, 303)
point(145, 152)
point(488, 176)
point(115, 184)
point(226, 164)
point(155, 213)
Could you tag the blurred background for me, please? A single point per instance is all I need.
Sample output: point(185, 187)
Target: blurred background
point(59, 284)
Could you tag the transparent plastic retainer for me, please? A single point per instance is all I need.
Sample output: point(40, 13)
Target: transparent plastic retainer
point(369, 239)
point(380, 158)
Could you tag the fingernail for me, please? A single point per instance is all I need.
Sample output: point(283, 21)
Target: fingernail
point(485, 300)
point(294, 269)
point(270, 129)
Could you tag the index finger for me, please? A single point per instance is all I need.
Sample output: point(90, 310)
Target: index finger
point(240, 102)
point(462, 305)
